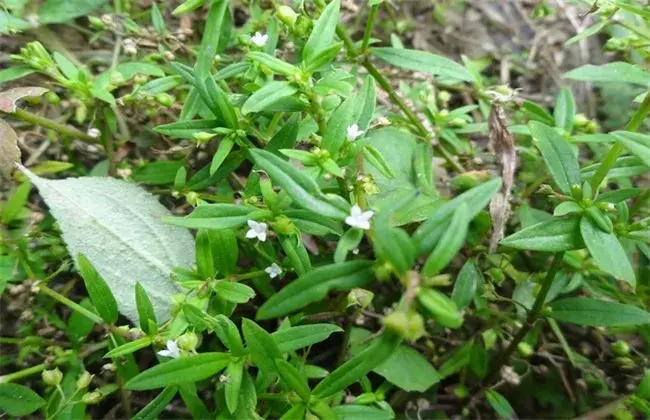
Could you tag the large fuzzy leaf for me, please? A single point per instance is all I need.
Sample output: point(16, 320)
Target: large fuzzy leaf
point(116, 226)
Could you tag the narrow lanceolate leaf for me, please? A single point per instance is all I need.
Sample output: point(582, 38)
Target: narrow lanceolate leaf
point(551, 236)
point(146, 313)
point(274, 64)
point(116, 226)
point(157, 405)
point(177, 371)
point(99, 292)
point(353, 370)
point(322, 35)
point(429, 233)
point(467, 282)
point(345, 115)
point(607, 251)
point(315, 285)
point(638, 144)
point(450, 243)
point(593, 29)
point(423, 61)
point(214, 216)
point(368, 97)
point(293, 378)
point(598, 313)
point(261, 345)
point(294, 338)
point(234, 292)
point(618, 72)
point(500, 405)
point(18, 400)
point(130, 347)
point(267, 96)
point(298, 185)
point(235, 373)
point(565, 109)
point(9, 151)
point(560, 161)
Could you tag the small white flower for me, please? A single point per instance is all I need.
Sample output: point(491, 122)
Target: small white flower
point(273, 270)
point(358, 218)
point(172, 350)
point(257, 230)
point(94, 132)
point(259, 39)
point(354, 132)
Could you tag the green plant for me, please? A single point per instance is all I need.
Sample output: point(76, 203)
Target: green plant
point(329, 273)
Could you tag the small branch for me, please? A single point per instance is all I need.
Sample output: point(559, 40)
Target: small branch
point(53, 125)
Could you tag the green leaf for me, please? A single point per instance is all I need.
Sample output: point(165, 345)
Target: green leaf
point(558, 234)
point(423, 167)
point(323, 57)
point(225, 251)
point(638, 144)
point(308, 222)
point(369, 97)
point(274, 64)
point(261, 345)
point(187, 129)
point(565, 110)
point(362, 412)
point(500, 405)
point(157, 405)
point(322, 35)
point(162, 172)
point(210, 41)
point(269, 94)
point(234, 292)
point(98, 290)
point(353, 370)
point(376, 159)
point(15, 72)
point(192, 401)
point(146, 312)
point(459, 358)
point(596, 313)
point(225, 146)
point(204, 260)
point(618, 72)
point(349, 241)
point(157, 20)
point(537, 113)
point(159, 85)
point(478, 360)
point(296, 253)
point(467, 282)
point(235, 373)
point(299, 186)
point(423, 61)
point(13, 206)
point(617, 196)
point(560, 160)
point(130, 347)
point(607, 251)
point(58, 11)
point(68, 69)
point(409, 370)
point(295, 338)
point(223, 105)
point(315, 285)
point(450, 243)
point(215, 216)
point(592, 30)
point(177, 371)
point(345, 115)
point(18, 400)
point(293, 378)
point(429, 233)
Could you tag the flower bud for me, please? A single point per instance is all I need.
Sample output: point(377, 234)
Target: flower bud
point(192, 197)
point(410, 325)
point(284, 225)
point(580, 120)
point(457, 123)
point(525, 349)
point(444, 97)
point(165, 99)
point(188, 341)
point(52, 98)
point(92, 397)
point(84, 380)
point(96, 23)
point(621, 348)
point(360, 297)
point(52, 377)
point(203, 137)
point(366, 399)
point(287, 15)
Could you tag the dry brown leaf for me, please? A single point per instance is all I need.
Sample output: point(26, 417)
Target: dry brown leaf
point(9, 151)
point(504, 145)
point(8, 98)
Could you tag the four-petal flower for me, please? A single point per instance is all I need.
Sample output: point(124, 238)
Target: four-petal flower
point(172, 350)
point(257, 230)
point(358, 218)
point(273, 270)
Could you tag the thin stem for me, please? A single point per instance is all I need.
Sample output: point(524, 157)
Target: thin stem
point(70, 304)
point(369, 26)
point(533, 316)
point(613, 154)
point(52, 125)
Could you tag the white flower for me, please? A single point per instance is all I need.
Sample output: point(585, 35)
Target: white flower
point(257, 230)
point(259, 39)
point(94, 132)
point(358, 218)
point(273, 270)
point(354, 132)
point(172, 350)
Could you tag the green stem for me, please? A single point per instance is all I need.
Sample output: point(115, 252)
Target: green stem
point(533, 316)
point(369, 26)
point(70, 304)
point(52, 125)
point(613, 154)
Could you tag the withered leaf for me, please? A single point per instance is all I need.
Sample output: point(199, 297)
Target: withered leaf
point(9, 151)
point(8, 98)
